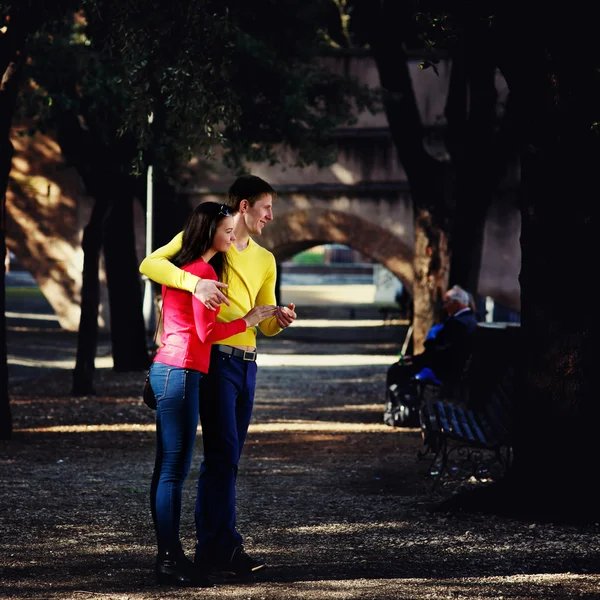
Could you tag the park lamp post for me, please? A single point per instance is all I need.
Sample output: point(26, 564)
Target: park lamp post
point(148, 305)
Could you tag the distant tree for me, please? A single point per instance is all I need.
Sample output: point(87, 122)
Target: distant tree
point(76, 93)
point(18, 20)
point(451, 194)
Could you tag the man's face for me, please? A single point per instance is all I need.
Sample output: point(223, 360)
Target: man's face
point(257, 216)
point(450, 306)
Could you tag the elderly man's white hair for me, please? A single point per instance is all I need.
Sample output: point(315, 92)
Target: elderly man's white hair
point(458, 294)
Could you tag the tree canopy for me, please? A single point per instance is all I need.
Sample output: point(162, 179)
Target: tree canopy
point(245, 77)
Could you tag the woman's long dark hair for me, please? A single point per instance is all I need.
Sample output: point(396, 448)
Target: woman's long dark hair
point(198, 235)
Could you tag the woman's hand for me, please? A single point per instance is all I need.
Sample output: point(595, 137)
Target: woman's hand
point(208, 292)
point(258, 314)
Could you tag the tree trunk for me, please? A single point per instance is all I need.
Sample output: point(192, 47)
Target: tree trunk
point(557, 408)
point(12, 57)
point(5, 166)
point(111, 229)
point(171, 209)
point(559, 315)
point(426, 175)
point(431, 265)
point(471, 115)
point(127, 327)
point(451, 198)
point(87, 334)
point(5, 412)
point(555, 444)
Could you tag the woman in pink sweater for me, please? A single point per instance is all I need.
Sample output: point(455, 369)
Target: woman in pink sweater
point(183, 358)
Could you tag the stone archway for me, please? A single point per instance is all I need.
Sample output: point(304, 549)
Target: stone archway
point(297, 230)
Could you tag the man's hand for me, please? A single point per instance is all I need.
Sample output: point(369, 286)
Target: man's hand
point(208, 292)
point(285, 315)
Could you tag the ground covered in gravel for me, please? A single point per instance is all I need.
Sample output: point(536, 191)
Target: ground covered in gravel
point(338, 503)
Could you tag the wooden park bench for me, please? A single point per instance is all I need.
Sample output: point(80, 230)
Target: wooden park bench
point(467, 428)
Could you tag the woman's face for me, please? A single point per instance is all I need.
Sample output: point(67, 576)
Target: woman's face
point(223, 235)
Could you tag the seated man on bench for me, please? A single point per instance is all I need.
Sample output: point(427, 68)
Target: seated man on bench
point(444, 358)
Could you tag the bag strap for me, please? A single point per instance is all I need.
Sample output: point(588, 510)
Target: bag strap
point(155, 336)
point(158, 322)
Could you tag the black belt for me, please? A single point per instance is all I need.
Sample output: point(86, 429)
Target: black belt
point(243, 354)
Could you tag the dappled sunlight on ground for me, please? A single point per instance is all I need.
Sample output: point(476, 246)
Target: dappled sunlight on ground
point(336, 502)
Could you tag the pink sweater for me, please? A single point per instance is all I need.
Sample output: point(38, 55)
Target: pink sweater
point(189, 328)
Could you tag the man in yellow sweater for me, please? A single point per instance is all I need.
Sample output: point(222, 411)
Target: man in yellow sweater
point(227, 392)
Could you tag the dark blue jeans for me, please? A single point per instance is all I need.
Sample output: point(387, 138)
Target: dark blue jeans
point(225, 411)
point(177, 393)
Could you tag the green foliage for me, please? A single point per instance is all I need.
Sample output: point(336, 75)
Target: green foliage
point(441, 28)
point(14, 293)
point(175, 62)
point(287, 94)
point(308, 258)
point(247, 77)
point(68, 76)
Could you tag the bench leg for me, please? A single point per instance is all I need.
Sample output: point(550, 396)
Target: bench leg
point(504, 457)
point(441, 460)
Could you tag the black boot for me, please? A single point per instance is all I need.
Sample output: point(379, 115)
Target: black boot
point(173, 568)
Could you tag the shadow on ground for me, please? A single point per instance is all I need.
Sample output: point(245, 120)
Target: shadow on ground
point(337, 502)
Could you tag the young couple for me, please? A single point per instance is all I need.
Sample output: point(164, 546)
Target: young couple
point(207, 367)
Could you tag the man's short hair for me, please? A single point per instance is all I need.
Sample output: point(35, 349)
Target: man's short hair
point(248, 187)
point(457, 294)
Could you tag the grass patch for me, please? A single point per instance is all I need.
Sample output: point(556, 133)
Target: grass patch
point(23, 292)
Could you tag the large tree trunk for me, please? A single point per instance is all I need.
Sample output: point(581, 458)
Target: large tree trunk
point(171, 209)
point(559, 451)
point(470, 139)
point(426, 176)
point(111, 229)
point(5, 412)
point(127, 327)
point(557, 408)
point(450, 198)
point(12, 56)
point(87, 334)
point(556, 431)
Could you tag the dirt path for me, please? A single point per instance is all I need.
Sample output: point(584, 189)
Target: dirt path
point(332, 498)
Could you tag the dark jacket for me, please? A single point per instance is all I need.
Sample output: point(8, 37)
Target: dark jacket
point(446, 354)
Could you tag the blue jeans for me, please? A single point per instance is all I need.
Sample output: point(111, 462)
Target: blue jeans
point(225, 411)
point(177, 393)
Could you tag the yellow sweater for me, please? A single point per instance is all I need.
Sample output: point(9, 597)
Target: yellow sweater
point(252, 275)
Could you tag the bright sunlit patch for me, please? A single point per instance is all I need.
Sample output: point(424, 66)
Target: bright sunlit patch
point(102, 362)
point(34, 317)
point(354, 407)
point(350, 323)
point(344, 175)
point(263, 360)
point(330, 360)
point(328, 295)
point(309, 426)
point(331, 426)
point(345, 527)
point(122, 427)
